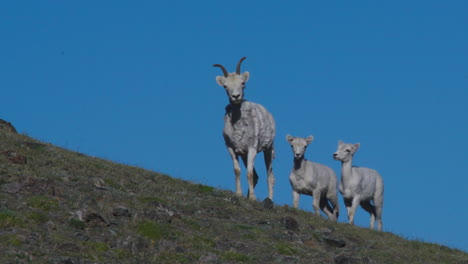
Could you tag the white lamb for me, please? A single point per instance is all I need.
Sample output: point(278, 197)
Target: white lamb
point(314, 179)
point(359, 185)
point(248, 129)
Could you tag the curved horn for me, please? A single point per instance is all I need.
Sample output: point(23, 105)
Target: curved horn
point(226, 74)
point(239, 64)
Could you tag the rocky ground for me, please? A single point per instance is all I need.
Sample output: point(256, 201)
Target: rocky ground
point(59, 206)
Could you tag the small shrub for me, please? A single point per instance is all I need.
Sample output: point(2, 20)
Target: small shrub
point(149, 199)
point(10, 240)
point(122, 254)
point(98, 247)
point(234, 256)
point(38, 217)
point(285, 249)
point(77, 224)
point(204, 189)
point(114, 185)
point(8, 219)
point(153, 230)
point(43, 203)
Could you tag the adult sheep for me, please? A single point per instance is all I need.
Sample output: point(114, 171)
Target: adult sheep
point(248, 129)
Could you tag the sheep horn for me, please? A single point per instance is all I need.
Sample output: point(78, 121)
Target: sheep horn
point(239, 64)
point(226, 74)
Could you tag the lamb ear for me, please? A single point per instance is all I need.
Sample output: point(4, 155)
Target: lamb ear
point(356, 146)
point(309, 139)
point(340, 142)
point(289, 138)
point(220, 80)
point(245, 76)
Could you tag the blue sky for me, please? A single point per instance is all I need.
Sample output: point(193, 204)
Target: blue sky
point(133, 82)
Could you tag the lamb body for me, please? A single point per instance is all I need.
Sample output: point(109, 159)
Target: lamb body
point(314, 179)
point(359, 185)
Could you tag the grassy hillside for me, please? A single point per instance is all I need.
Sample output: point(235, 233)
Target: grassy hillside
point(59, 206)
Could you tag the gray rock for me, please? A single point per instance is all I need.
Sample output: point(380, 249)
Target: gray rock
point(290, 223)
point(121, 211)
point(334, 242)
point(267, 203)
point(7, 126)
point(13, 187)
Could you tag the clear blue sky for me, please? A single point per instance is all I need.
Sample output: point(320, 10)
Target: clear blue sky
point(133, 82)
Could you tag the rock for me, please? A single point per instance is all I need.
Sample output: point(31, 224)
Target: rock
point(121, 211)
point(267, 203)
point(334, 242)
point(14, 157)
point(350, 260)
point(159, 211)
point(68, 260)
point(287, 260)
point(69, 247)
point(13, 187)
point(99, 183)
point(209, 258)
point(47, 186)
point(96, 220)
point(290, 223)
point(7, 126)
point(233, 199)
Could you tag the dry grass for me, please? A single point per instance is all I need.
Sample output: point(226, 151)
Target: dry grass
point(65, 207)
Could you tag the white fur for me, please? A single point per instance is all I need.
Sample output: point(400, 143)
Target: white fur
point(248, 129)
point(359, 186)
point(314, 179)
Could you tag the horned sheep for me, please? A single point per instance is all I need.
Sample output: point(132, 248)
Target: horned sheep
point(248, 129)
point(314, 179)
point(359, 185)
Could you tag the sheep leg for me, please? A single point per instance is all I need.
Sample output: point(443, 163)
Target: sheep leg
point(368, 207)
point(378, 204)
point(326, 208)
point(378, 216)
point(237, 171)
point(352, 210)
point(295, 199)
point(268, 156)
point(348, 203)
point(316, 202)
point(255, 175)
point(252, 176)
point(333, 199)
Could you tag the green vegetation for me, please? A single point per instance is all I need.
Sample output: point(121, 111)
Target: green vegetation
point(153, 230)
point(234, 256)
point(43, 203)
point(37, 217)
point(76, 223)
point(10, 240)
point(286, 249)
point(8, 219)
point(204, 189)
point(64, 207)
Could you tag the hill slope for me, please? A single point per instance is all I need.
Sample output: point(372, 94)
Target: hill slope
point(59, 206)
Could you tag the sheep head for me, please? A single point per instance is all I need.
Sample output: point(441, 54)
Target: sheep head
point(233, 83)
point(345, 151)
point(299, 145)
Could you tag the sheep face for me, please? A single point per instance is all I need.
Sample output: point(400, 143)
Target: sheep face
point(234, 85)
point(345, 151)
point(299, 145)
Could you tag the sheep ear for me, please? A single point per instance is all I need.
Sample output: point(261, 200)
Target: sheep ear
point(220, 80)
point(340, 142)
point(289, 138)
point(356, 146)
point(245, 76)
point(309, 139)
